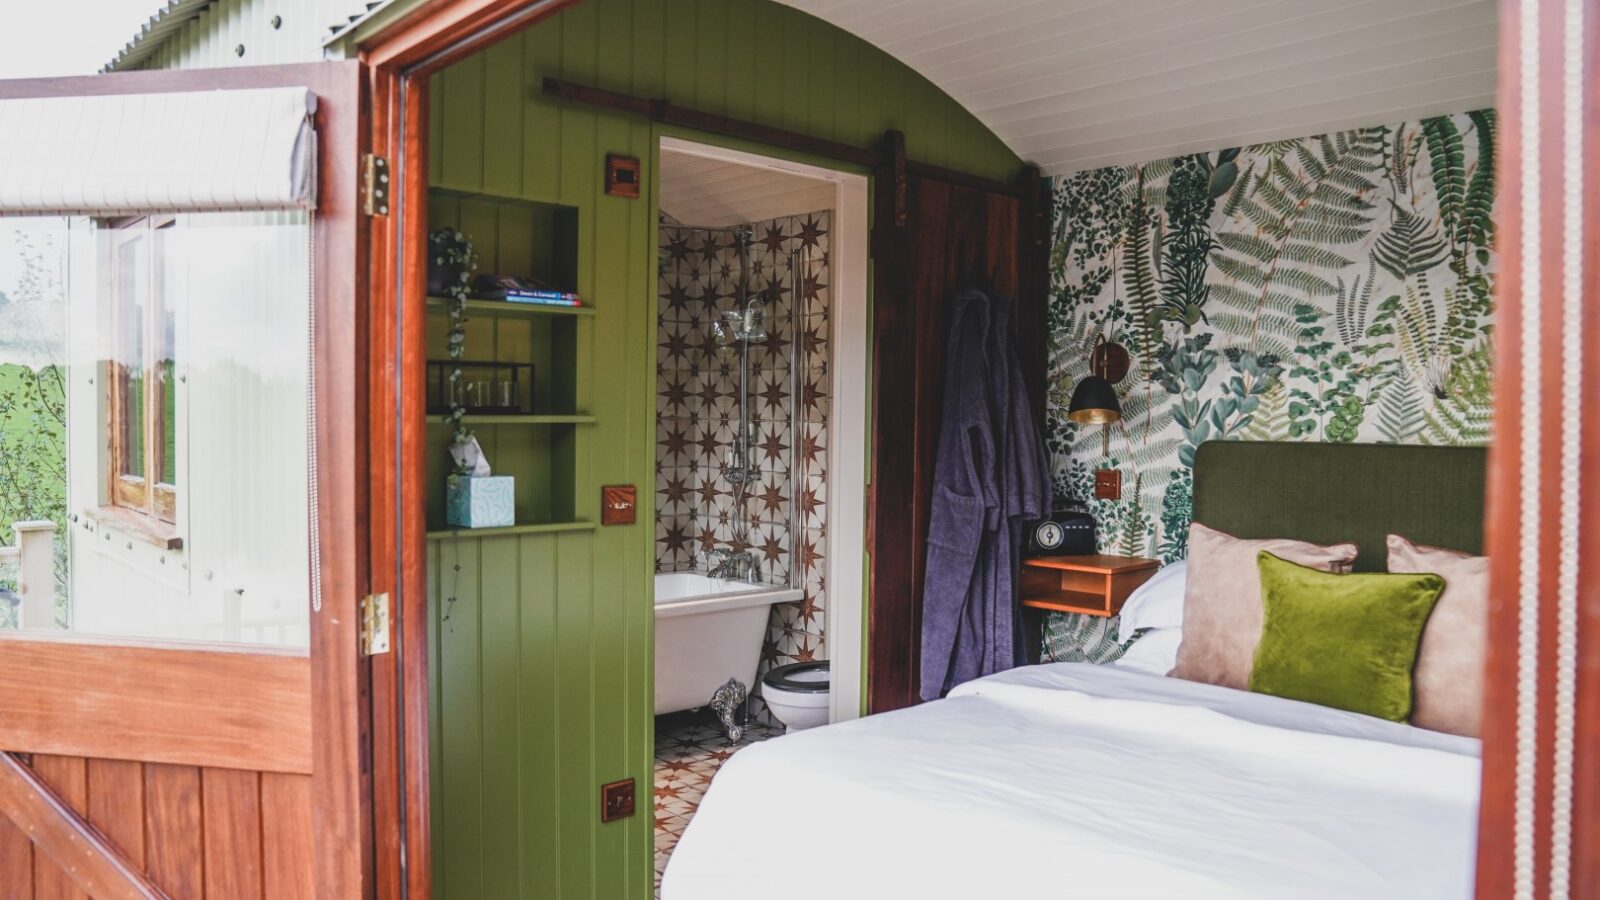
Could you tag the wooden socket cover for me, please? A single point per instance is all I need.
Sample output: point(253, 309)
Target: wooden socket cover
point(1108, 484)
point(622, 176)
point(619, 504)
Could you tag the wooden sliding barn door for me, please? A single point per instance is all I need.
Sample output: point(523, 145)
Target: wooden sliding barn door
point(1539, 830)
point(140, 768)
point(932, 236)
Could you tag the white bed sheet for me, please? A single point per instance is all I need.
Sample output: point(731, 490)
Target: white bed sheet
point(1074, 780)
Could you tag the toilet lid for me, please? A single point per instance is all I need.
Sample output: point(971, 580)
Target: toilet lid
point(801, 678)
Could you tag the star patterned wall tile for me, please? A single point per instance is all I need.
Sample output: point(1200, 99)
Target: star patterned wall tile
point(698, 408)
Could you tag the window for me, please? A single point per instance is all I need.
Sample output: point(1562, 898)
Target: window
point(187, 428)
point(141, 392)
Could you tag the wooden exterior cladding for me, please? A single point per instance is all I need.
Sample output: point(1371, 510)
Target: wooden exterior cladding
point(258, 702)
point(186, 831)
point(40, 820)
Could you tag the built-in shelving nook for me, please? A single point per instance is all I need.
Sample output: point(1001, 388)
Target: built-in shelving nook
point(538, 444)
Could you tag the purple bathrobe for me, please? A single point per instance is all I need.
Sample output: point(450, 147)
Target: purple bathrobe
point(992, 475)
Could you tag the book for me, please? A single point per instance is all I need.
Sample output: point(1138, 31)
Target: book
point(522, 289)
point(535, 300)
point(564, 296)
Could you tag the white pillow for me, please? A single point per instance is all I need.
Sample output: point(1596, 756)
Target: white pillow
point(1156, 651)
point(1158, 603)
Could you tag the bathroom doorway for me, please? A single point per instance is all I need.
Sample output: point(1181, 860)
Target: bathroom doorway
point(761, 368)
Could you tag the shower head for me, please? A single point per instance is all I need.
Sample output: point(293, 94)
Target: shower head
point(754, 312)
point(740, 326)
point(724, 330)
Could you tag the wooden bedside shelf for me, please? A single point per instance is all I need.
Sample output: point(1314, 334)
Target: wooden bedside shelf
point(1094, 585)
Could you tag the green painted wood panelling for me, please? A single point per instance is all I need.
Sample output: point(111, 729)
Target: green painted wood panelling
point(541, 641)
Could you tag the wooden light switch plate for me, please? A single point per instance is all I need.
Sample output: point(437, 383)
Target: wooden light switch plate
point(1108, 484)
point(619, 504)
point(616, 800)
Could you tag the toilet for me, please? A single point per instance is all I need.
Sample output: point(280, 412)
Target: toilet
point(797, 694)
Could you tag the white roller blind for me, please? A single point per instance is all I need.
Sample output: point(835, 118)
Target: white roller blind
point(142, 153)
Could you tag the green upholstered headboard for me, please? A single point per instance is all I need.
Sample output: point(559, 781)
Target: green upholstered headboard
point(1328, 493)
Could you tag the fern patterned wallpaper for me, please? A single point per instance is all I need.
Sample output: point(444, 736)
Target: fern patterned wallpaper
point(1330, 288)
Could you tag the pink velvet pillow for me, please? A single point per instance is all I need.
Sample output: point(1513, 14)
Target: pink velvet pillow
point(1449, 676)
point(1222, 611)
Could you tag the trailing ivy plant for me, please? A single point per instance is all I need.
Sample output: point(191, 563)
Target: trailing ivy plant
point(453, 253)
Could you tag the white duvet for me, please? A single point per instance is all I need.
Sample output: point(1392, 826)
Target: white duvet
point(1074, 780)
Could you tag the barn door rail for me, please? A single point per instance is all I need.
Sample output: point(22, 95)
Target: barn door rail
point(81, 851)
point(665, 111)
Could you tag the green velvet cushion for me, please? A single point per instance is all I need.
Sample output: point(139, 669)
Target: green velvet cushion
point(1345, 641)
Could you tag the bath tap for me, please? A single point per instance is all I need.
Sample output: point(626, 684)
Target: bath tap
point(726, 564)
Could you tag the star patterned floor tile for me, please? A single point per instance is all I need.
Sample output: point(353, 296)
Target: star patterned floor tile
point(690, 748)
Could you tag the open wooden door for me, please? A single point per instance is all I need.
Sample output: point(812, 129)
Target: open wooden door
point(182, 709)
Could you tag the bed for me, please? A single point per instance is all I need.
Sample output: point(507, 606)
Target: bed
point(1072, 779)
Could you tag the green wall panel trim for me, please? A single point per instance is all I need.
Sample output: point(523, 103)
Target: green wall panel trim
point(543, 640)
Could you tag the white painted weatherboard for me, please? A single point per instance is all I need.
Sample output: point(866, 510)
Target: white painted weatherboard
point(139, 153)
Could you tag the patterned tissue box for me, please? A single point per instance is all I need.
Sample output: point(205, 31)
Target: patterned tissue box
point(487, 501)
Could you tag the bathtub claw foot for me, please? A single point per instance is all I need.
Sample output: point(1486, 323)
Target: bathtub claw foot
point(727, 702)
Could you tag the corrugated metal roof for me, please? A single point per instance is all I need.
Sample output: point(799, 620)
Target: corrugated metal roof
point(340, 29)
point(166, 20)
point(342, 14)
point(1077, 84)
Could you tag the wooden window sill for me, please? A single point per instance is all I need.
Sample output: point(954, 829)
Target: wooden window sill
point(138, 525)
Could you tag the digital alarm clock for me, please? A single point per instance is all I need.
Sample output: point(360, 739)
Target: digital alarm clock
point(1069, 533)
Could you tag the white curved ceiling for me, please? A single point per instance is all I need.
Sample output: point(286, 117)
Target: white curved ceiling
point(716, 193)
point(1077, 84)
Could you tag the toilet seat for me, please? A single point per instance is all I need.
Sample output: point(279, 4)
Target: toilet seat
point(788, 678)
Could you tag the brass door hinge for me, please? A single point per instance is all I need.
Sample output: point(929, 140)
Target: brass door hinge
point(374, 185)
point(374, 624)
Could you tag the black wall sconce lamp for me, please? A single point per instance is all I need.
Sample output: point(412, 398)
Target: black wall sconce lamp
point(1094, 400)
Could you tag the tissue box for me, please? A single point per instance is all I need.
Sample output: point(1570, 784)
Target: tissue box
point(487, 501)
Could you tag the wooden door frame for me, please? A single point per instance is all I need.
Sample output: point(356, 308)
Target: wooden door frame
point(338, 722)
point(1539, 818)
point(398, 62)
